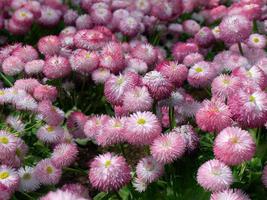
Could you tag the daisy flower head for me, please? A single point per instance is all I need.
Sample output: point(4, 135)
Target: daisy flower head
point(9, 177)
point(257, 41)
point(158, 85)
point(94, 126)
point(100, 16)
point(76, 188)
point(167, 148)
point(100, 75)
point(56, 67)
point(142, 128)
point(145, 52)
point(28, 84)
point(213, 116)
point(262, 64)
point(129, 26)
point(8, 144)
point(84, 22)
point(174, 72)
point(201, 74)
point(136, 65)
point(139, 185)
point(166, 10)
point(249, 109)
point(231, 194)
point(12, 65)
point(26, 102)
point(62, 195)
point(15, 122)
point(5, 192)
point(181, 50)
point(47, 173)
point(28, 179)
point(137, 99)
point(75, 124)
point(45, 92)
point(49, 45)
point(149, 170)
point(15, 28)
point(191, 26)
point(204, 37)
point(192, 59)
point(70, 16)
point(34, 67)
point(214, 176)
point(109, 172)
point(235, 28)
point(50, 134)
point(49, 16)
point(189, 135)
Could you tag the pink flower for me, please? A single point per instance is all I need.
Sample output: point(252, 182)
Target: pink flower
point(257, 41)
point(145, 52)
point(34, 67)
point(75, 124)
point(84, 22)
point(76, 188)
point(26, 84)
point(49, 16)
point(129, 26)
point(8, 144)
point(12, 65)
point(9, 178)
point(50, 134)
point(191, 27)
point(231, 194)
point(45, 92)
point(62, 195)
point(180, 50)
point(49, 45)
point(109, 172)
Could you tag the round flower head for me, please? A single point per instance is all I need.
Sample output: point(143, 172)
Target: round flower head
point(158, 85)
point(100, 75)
point(166, 10)
point(77, 189)
point(214, 176)
point(257, 41)
point(15, 123)
point(64, 154)
point(174, 72)
point(50, 134)
point(47, 173)
point(28, 179)
point(224, 86)
point(118, 15)
point(235, 28)
point(70, 16)
point(49, 16)
point(26, 53)
point(94, 126)
point(142, 128)
point(249, 109)
point(234, 146)
point(189, 135)
point(136, 65)
point(56, 67)
point(113, 132)
point(145, 52)
point(62, 195)
point(192, 59)
point(8, 144)
point(129, 26)
point(109, 172)
point(213, 116)
point(9, 177)
point(49, 45)
point(201, 74)
point(75, 124)
point(229, 194)
point(12, 65)
point(139, 185)
point(26, 84)
point(180, 50)
point(51, 114)
point(204, 37)
point(149, 170)
point(216, 32)
point(191, 26)
point(15, 28)
point(137, 99)
point(167, 148)
point(84, 61)
point(34, 7)
point(45, 92)
point(34, 67)
point(115, 86)
point(26, 102)
point(84, 22)
point(5, 192)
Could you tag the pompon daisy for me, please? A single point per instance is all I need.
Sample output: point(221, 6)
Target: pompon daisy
point(109, 172)
point(100, 75)
point(137, 99)
point(15, 123)
point(158, 85)
point(26, 53)
point(5, 193)
point(149, 170)
point(192, 59)
point(145, 52)
point(115, 86)
point(139, 185)
point(49, 16)
point(204, 37)
point(76, 188)
point(180, 50)
point(201, 74)
point(213, 116)
point(84, 22)
point(50, 134)
point(234, 146)
point(94, 126)
point(129, 26)
point(47, 173)
point(190, 136)
point(12, 65)
point(113, 132)
point(230, 194)
point(249, 109)
point(214, 176)
point(28, 179)
point(224, 85)
point(75, 124)
point(8, 144)
point(45, 92)
point(26, 84)
point(136, 65)
point(49, 45)
point(34, 67)
point(61, 195)
point(64, 154)
point(25, 103)
point(257, 41)
point(142, 128)
point(9, 177)
point(167, 148)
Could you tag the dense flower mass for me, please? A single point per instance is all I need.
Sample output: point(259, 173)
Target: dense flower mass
point(102, 97)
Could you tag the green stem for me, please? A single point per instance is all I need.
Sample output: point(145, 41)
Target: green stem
point(26, 195)
point(255, 26)
point(75, 170)
point(118, 195)
point(172, 117)
point(122, 149)
point(240, 48)
point(6, 79)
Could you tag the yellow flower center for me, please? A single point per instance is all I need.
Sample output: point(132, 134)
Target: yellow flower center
point(107, 163)
point(141, 121)
point(256, 40)
point(88, 55)
point(234, 140)
point(120, 81)
point(226, 82)
point(50, 129)
point(27, 176)
point(4, 175)
point(252, 98)
point(49, 170)
point(198, 70)
point(4, 140)
point(2, 92)
point(23, 14)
